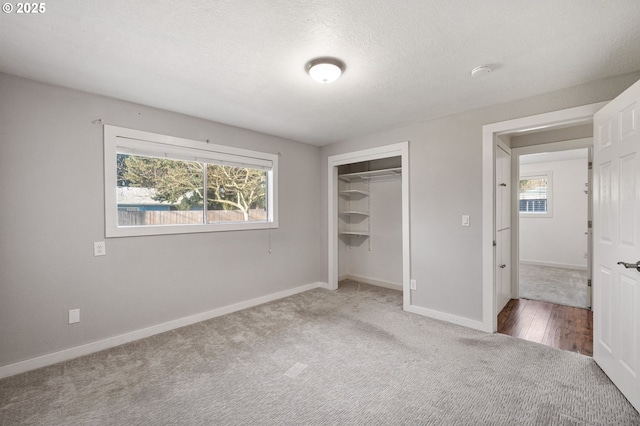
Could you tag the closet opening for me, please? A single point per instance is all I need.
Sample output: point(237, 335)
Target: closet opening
point(368, 218)
point(370, 223)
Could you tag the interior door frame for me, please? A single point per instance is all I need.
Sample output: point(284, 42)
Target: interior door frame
point(399, 149)
point(516, 153)
point(570, 116)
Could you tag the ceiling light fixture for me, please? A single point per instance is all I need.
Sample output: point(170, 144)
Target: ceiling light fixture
point(325, 70)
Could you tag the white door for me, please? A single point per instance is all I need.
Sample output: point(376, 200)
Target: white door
point(616, 234)
point(503, 227)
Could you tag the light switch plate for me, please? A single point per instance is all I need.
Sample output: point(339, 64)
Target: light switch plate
point(74, 316)
point(465, 220)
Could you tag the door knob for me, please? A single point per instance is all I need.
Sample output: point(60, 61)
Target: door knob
point(504, 266)
point(631, 265)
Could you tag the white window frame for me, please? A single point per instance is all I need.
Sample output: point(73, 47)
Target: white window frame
point(548, 175)
point(120, 139)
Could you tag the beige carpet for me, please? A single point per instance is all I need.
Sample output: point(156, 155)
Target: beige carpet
point(346, 357)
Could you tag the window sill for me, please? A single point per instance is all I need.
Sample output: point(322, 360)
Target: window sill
point(147, 230)
point(536, 215)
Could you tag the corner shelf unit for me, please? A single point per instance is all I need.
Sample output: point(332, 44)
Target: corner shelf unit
point(356, 217)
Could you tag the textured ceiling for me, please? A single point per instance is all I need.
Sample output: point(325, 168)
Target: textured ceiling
point(242, 62)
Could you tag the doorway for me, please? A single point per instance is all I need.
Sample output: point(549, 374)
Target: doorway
point(553, 211)
point(370, 223)
point(492, 133)
point(550, 257)
point(334, 237)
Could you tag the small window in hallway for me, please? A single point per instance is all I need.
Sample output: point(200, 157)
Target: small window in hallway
point(535, 194)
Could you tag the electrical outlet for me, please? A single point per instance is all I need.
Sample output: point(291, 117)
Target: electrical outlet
point(99, 248)
point(413, 285)
point(74, 316)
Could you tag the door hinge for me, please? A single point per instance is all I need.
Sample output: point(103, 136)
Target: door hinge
point(494, 243)
point(588, 283)
point(590, 165)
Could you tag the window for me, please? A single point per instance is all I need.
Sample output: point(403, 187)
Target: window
point(535, 195)
point(156, 184)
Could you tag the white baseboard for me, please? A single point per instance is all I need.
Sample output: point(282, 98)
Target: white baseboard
point(453, 319)
point(323, 285)
point(554, 265)
point(465, 322)
point(110, 342)
point(373, 281)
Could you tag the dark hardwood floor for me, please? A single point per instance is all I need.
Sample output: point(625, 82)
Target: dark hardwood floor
point(562, 327)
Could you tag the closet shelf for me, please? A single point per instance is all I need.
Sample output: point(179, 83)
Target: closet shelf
point(354, 212)
point(371, 174)
point(352, 192)
point(355, 233)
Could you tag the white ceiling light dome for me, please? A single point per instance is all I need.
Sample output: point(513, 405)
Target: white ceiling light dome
point(325, 70)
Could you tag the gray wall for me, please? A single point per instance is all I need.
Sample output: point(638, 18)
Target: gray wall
point(52, 210)
point(558, 240)
point(446, 182)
